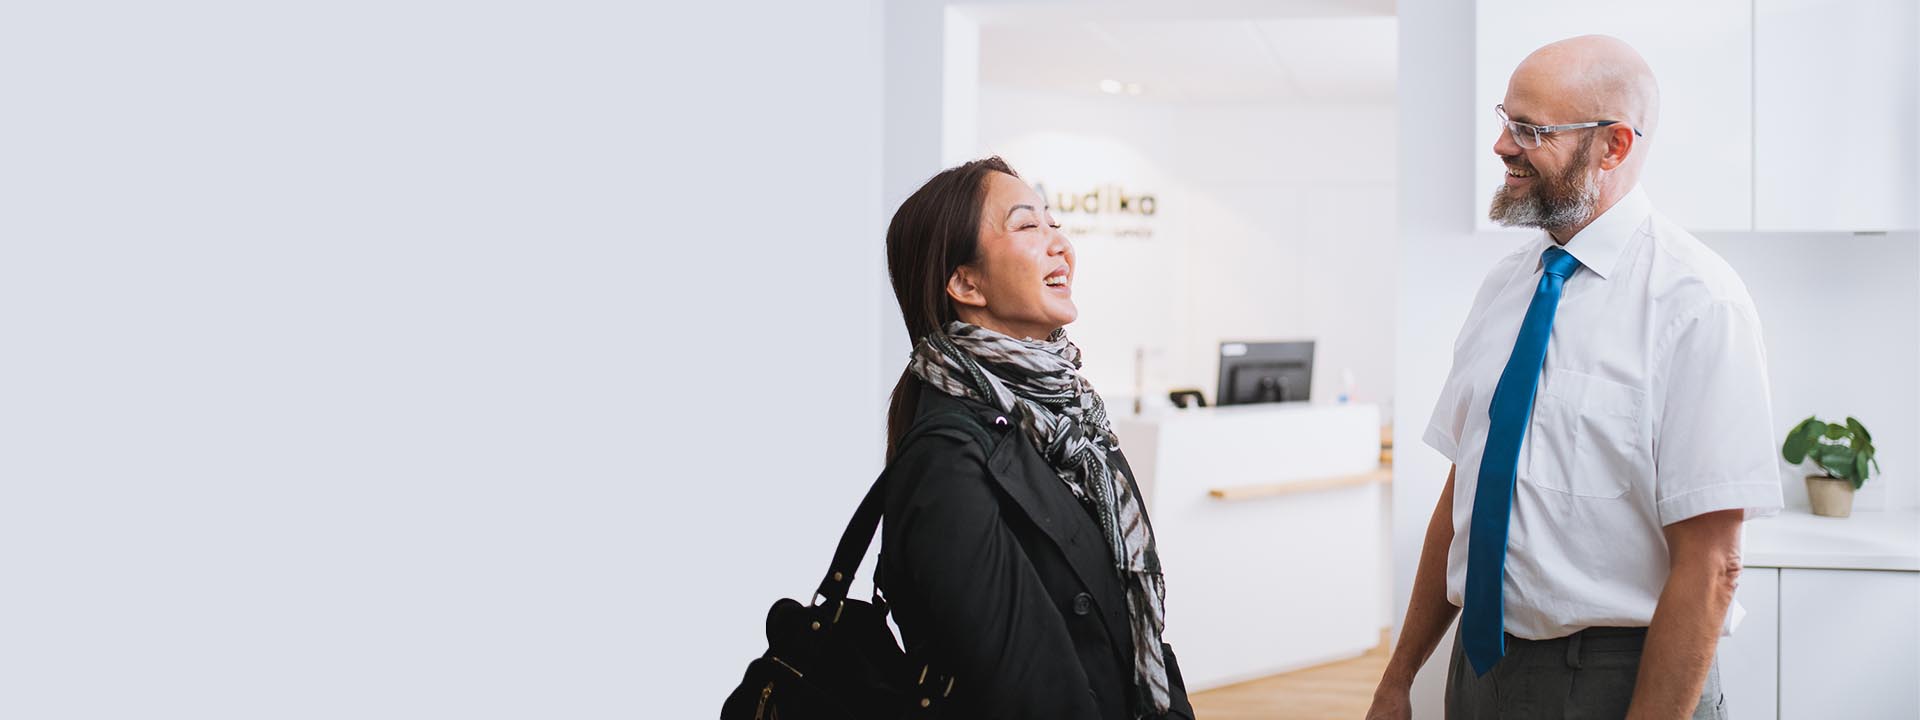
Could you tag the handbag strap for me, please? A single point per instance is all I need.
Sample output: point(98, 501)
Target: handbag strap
point(858, 536)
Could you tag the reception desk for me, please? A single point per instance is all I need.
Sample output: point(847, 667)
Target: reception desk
point(1272, 526)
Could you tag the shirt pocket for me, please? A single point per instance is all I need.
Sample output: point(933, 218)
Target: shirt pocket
point(1585, 437)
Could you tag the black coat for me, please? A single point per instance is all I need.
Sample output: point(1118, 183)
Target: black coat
point(1000, 578)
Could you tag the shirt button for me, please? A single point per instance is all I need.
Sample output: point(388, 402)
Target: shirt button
point(1082, 604)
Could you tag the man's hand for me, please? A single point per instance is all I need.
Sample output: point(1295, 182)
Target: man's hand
point(1391, 704)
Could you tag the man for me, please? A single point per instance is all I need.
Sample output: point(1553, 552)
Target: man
point(1609, 424)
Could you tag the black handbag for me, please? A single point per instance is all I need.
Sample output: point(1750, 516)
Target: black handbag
point(835, 658)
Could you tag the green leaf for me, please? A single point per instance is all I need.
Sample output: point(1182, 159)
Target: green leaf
point(1836, 432)
point(1797, 445)
point(1859, 430)
point(1815, 428)
point(1837, 460)
point(1860, 469)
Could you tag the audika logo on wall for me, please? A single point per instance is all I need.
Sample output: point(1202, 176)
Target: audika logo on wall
point(1104, 210)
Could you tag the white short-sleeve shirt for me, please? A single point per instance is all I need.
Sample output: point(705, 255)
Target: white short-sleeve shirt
point(1653, 407)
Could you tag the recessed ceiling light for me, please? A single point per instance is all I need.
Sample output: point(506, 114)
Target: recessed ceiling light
point(1111, 86)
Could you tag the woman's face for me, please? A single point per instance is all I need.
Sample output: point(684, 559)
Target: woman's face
point(1020, 283)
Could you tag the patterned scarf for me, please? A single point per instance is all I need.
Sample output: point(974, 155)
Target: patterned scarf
point(1038, 382)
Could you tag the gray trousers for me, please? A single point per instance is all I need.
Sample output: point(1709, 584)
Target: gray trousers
point(1589, 674)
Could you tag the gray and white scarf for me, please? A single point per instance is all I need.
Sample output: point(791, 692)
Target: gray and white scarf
point(1039, 382)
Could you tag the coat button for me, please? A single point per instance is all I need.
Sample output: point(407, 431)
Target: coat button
point(1082, 604)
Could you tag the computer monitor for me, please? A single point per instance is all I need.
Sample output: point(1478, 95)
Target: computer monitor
point(1259, 372)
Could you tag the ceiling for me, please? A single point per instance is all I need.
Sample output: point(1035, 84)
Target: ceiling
point(1290, 60)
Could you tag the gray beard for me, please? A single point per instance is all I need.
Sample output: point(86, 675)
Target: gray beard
point(1565, 201)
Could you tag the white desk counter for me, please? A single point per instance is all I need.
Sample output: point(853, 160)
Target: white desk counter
point(1877, 540)
point(1271, 521)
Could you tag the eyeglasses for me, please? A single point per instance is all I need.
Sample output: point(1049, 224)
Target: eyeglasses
point(1528, 135)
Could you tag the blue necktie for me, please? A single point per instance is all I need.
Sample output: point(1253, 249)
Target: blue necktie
point(1482, 624)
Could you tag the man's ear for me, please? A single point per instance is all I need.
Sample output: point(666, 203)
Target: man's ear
point(964, 288)
point(1620, 140)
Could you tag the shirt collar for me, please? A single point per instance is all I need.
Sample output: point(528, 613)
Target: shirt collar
point(1598, 245)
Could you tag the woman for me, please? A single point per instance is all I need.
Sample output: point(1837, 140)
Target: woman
point(1018, 560)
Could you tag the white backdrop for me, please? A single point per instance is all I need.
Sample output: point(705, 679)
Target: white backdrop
point(407, 359)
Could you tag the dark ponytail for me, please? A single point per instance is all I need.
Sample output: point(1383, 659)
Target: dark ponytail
point(934, 232)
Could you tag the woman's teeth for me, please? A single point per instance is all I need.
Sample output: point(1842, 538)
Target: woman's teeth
point(1056, 280)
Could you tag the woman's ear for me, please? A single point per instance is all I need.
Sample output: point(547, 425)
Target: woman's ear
point(964, 288)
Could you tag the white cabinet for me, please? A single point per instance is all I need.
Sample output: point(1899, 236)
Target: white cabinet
point(1782, 115)
point(1836, 114)
point(1749, 660)
point(1849, 644)
point(1700, 172)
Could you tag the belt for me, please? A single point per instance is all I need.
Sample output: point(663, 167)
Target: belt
point(1602, 639)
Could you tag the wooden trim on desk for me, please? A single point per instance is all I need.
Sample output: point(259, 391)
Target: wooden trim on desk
point(1381, 476)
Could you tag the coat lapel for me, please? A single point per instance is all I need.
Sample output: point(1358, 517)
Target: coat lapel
point(1034, 487)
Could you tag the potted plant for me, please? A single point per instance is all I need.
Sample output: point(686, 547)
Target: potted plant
point(1844, 454)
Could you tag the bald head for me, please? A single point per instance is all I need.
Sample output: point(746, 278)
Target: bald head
point(1566, 178)
point(1591, 77)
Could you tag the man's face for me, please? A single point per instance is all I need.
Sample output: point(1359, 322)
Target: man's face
point(1551, 186)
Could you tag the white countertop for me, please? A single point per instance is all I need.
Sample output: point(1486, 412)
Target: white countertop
point(1879, 540)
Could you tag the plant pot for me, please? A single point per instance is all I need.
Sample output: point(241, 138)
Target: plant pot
point(1831, 497)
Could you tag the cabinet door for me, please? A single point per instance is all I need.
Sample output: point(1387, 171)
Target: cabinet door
point(1836, 112)
point(1700, 172)
point(1849, 644)
point(1749, 660)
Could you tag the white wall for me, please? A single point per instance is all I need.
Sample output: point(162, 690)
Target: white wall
point(427, 360)
point(1273, 222)
point(1838, 311)
point(915, 124)
point(1441, 261)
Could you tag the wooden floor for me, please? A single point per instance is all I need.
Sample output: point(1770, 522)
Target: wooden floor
point(1335, 690)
